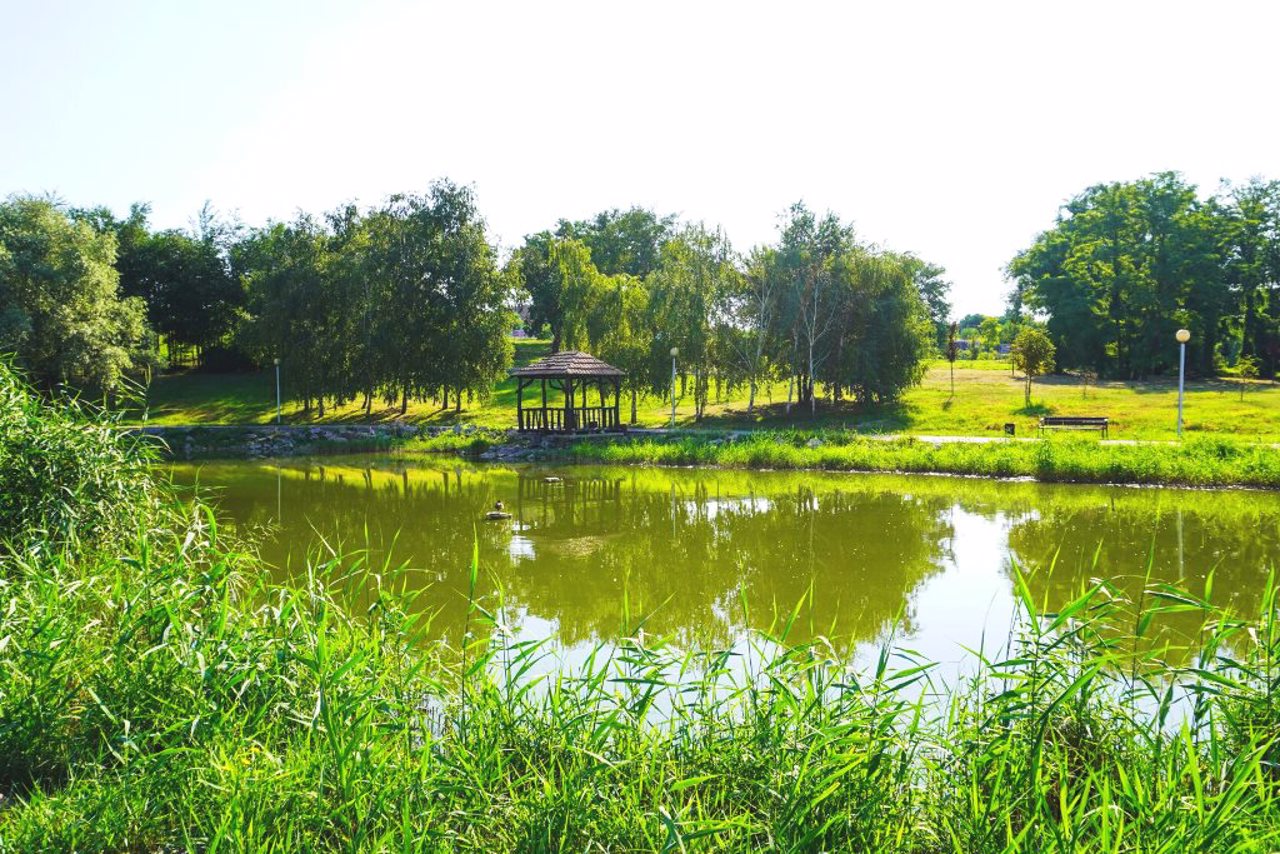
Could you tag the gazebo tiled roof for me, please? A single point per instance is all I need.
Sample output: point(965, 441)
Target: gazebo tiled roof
point(568, 363)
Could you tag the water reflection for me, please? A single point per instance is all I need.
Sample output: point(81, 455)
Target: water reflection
point(706, 553)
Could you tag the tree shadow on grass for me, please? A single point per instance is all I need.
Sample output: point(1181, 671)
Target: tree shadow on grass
point(1034, 410)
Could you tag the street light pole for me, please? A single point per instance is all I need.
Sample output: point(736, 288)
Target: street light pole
point(277, 361)
point(1183, 337)
point(675, 351)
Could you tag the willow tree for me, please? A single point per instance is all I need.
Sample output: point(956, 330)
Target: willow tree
point(621, 332)
point(815, 258)
point(695, 269)
point(884, 330)
point(745, 317)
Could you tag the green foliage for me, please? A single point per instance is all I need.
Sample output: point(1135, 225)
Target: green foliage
point(402, 302)
point(1127, 264)
point(69, 473)
point(1032, 353)
point(185, 279)
point(817, 308)
point(695, 273)
point(61, 313)
point(1246, 369)
point(1198, 462)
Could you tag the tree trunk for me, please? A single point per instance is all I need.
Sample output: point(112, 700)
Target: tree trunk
point(404, 400)
point(634, 394)
point(813, 398)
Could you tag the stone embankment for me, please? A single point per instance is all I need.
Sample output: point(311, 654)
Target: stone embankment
point(258, 441)
point(263, 441)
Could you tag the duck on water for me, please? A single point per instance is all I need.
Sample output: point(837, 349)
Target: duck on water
point(498, 512)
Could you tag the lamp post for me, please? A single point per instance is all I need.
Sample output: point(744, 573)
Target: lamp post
point(675, 351)
point(1183, 337)
point(277, 363)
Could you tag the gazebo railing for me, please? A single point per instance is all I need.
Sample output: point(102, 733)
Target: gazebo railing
point(557, 419)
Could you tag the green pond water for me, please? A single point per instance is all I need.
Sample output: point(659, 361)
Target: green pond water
point(706, 554)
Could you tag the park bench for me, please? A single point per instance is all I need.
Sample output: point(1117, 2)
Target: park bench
point(1074, 422)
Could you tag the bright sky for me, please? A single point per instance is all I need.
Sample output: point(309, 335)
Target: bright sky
point(953, 130)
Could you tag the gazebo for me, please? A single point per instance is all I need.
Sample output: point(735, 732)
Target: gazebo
point(573, 373)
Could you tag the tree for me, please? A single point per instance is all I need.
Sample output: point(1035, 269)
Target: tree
point(745, 316)
point(815, 258)
point(444, 314)
point(1033, 352)
point(193, 298)
point(1087, 375)
point(1120, 264)
point(694, 272)
point(621, 333)
point(296, 315)
point(627, 241)
point(61, 312)
point(1246, 370)
point(933, 287)
point(884, 332)
point(1251, 217)
point(953, 351)
point(989, 332)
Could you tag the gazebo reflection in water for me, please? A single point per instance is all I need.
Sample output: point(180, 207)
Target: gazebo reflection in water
point(555, 507)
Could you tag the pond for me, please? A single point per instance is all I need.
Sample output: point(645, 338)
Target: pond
point(702, 555)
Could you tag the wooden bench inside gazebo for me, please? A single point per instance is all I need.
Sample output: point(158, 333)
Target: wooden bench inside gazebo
point(573, 375)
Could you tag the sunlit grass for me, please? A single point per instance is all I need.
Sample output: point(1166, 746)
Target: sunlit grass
point(987, 397)
point(1196, 462)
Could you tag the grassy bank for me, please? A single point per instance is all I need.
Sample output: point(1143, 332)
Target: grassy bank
point(986, 397)
point(1197, 462)
point(157, 694)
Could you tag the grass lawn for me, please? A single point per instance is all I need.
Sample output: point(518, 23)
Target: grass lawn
point(986, 397)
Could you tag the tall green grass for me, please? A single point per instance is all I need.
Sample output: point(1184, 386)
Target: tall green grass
point(66, 472)
point(158, 694)
point(1196, 462)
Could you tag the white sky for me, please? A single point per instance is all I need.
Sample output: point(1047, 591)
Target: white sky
point(953, 130)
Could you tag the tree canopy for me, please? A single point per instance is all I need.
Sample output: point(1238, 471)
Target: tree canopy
point(61, 311)
point(1127, 264)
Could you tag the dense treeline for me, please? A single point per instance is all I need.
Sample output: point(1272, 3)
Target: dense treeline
point(61, 312)
point(405, 301)
point(1127, 264)
point(408, 301)
point(816, 307)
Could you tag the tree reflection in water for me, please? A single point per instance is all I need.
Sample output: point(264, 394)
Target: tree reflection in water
point(690, 548)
